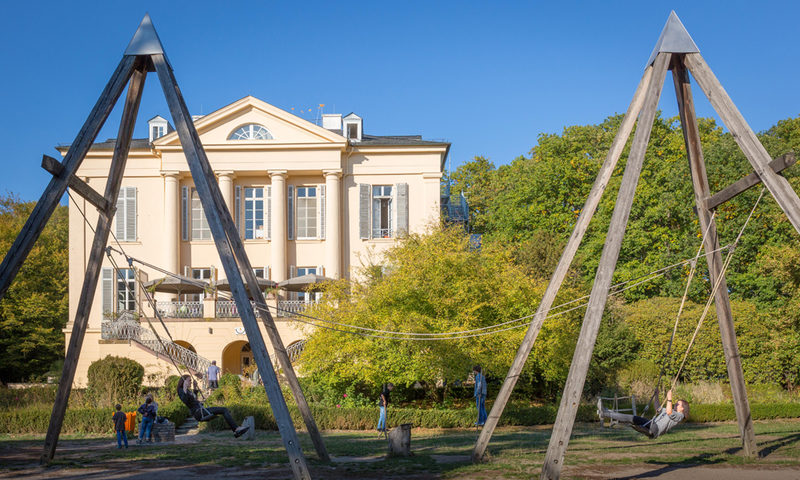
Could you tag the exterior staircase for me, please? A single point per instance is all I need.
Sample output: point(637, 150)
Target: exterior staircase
point(126, 327)
point(188, 427)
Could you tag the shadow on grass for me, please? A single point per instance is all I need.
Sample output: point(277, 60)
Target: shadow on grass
point(772, 446)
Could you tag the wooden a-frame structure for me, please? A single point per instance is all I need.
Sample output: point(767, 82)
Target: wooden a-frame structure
point(676, 51)
point(145, 53)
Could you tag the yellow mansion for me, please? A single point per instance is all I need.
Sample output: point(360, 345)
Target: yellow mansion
point(307, 199)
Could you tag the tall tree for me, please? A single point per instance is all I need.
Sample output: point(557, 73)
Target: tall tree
point(35, 308)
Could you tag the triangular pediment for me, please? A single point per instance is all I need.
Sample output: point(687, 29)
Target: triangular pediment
point(217, 127)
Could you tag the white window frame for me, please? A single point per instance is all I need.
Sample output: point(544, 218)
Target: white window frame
point(199, 273)
point(250, 201)
point(309, 224)
point(304, 296)
point(198, 213)
point(125, 287)
point(382, 195)
point(251, 131)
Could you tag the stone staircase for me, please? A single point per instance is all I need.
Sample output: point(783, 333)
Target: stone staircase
point(189, 427)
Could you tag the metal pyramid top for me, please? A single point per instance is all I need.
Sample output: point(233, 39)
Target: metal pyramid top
point(674, 39)
point(145, 41)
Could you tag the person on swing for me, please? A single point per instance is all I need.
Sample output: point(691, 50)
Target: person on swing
point(665, 419)
point(203, 414)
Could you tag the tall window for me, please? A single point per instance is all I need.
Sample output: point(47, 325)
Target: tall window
point(252, 131)
point(125, 217)
point(254, 213)
point(157, 131)
point(200, 229)
point(126, 290)
point(381, 211)
point(306, 212)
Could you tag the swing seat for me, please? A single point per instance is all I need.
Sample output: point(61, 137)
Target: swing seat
point(642, 430)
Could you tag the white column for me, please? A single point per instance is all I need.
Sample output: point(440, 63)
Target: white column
point(333, 223)
point(172, 225)
point(279, 266)
point(225, 180)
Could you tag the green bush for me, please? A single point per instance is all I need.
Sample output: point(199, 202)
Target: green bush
point(170, 390)
point(723, 412)
point(175, 411)
point(114, 380)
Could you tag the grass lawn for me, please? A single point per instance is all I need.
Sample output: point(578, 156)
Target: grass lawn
point(690, 451)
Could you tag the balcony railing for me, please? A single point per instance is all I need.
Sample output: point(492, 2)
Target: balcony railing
point(228, 309)
point(287, 308)
point(173, 309)
point(381, 233)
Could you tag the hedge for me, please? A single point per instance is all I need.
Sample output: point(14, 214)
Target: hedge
point(98, 420)
point(77, 420)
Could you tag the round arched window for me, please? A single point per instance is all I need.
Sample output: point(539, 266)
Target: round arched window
point(252, 131)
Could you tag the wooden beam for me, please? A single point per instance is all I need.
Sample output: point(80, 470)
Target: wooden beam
point(603, 177)
point(251, 283)
point(752, 148)
point(722, 302)
point(778, 165)
point(58, 185)
point(209, 193)
point(81, 188)
point(573, 390)
point(95, 263)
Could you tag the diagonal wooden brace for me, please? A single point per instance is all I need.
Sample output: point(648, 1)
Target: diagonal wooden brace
point(82, 188)
point(778, 165)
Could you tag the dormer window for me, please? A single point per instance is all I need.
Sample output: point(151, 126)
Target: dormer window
point(352, 124)
point(252, 131)
point(158, 127)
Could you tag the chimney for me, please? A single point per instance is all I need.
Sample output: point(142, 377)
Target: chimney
point(332, 121)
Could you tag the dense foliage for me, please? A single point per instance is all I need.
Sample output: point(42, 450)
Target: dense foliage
point(113, 380)
point(35, 309)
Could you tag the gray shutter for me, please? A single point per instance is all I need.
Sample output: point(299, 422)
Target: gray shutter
point(364, 201)
point(292, 274)
point(130, 214)
point(237, 208)
point(119, 217)
point(108, 290)
point(268, 210)
point(185, 213)
point(290, 213)
point(402, 208)
point(321, 212)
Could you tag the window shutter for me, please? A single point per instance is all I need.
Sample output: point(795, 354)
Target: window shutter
point(185, 213)
point(364, 201)
point(108, 290)
point(268, 272)
point(238, 211)
point(290, 213)
point(321, 273)
point(119, 217)
point(268, 210)
point(292, 274)
point(321, 213)
point(402, 208)
point(130, 215)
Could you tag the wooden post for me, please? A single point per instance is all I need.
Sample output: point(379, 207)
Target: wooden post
point(751, 147)
point(209, 193)
point(722, 303)
point(243, 262)
point(58, 185)
point(95, 256)
point(603, 176)
point(605, 271)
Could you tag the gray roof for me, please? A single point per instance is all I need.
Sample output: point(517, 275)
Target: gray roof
point(136, 144)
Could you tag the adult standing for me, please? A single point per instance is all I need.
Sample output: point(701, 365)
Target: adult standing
point(383, 402)
point(148, 417)
point(213, 375)
point(480, 394)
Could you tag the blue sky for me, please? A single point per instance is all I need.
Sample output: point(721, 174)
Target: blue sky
point(487, 76)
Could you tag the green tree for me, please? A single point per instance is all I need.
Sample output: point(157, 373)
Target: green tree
point(35, 308)
point(435, 283)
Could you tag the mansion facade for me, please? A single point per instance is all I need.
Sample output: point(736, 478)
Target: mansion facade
point(306, 198)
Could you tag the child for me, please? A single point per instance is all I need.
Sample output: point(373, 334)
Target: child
point(664, 420)
point(119, 427)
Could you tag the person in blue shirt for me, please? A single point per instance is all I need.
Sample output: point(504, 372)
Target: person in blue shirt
point(480, 394)
point(148, 412)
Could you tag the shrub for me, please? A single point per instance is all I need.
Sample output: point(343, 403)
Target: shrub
point(230, 390)
point(170, 391)
point(639, 377)
point(114, 380)
point(175, 411)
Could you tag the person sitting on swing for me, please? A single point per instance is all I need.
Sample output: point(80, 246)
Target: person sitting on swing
point(665, 419)
point(203, 414)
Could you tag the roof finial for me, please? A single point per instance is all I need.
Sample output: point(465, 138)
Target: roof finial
point(145, 41)
point(674, 39)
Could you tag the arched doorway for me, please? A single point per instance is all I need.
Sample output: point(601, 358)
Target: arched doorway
point(186, 345)
point(237, 358)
